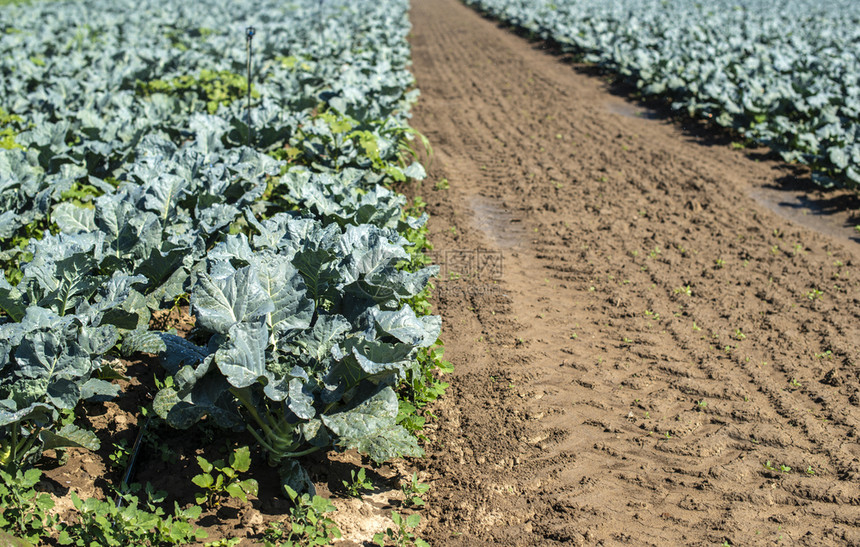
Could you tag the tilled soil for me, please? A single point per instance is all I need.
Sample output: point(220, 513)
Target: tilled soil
point(646, 352)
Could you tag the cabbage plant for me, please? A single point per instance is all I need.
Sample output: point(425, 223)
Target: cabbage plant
point(305, 336)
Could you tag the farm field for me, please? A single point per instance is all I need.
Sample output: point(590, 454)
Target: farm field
point(641, 356)
point(209, 280)
point(221, 280)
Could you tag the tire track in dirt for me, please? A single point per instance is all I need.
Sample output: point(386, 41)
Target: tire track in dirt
point(654, 338)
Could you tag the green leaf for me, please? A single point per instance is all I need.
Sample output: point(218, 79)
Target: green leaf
point(221, 303)
point(286, 287)
point(240, 459)
point(205, 465)
point(406, 327)
point(95, 389)
point(56, 366)
point(69, 436)
point(72, 219)
point(11, 300)
point(242, 359)
point(204, 480)
point(235, 490)
point(413, 520)
point(250, 486)
point(370, 428)
point(295, 479)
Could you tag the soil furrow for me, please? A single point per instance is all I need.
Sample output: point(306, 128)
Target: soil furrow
point(643, 353)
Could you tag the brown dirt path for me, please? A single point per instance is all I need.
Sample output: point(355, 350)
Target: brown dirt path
point(635, 338)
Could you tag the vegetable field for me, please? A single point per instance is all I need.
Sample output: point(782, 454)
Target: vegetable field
point(205, 207)
point(786, 74)
point(228, 248)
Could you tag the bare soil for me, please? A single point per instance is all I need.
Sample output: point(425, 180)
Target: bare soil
point(655, 335)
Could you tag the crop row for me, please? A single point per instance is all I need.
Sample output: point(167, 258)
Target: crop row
point(784, 74)
point(134, 176)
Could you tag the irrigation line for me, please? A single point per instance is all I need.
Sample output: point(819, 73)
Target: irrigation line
point(129, 470)
point(249, 36)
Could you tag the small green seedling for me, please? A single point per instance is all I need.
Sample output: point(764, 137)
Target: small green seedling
point(26, 512)
point(402, 536)
point(220, 481)
point(357, 483)
point(412, 492)
point(308, 524)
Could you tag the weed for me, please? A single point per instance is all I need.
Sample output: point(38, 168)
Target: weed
point(422, 386)
point(223, 542)
point(739, 335)
point(403, 535)
point(442, 185)
point(795, 383)
point(413, 490)
point(719, 263)
point(224, 482)
point(357, 483)
point(685, 290)
point(308, 523)
point(814, 294)
point(26, 514)
point(106, 523)
point(120, 454)
point(769, 466)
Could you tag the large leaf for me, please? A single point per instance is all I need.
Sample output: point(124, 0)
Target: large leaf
point(286, 287)
point(11, 301)
point(205, 395)
point(9, 413)
point(72, 219)
point(406, 327)
point(55, 366)
point(242, 359)
point(221, 303)
point(69, 436)
point(371, 429)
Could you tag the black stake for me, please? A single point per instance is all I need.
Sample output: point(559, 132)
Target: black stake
point(249, 35)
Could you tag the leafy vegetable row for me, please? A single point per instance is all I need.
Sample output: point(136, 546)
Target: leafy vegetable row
point(135, 177)
point(785, 74)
